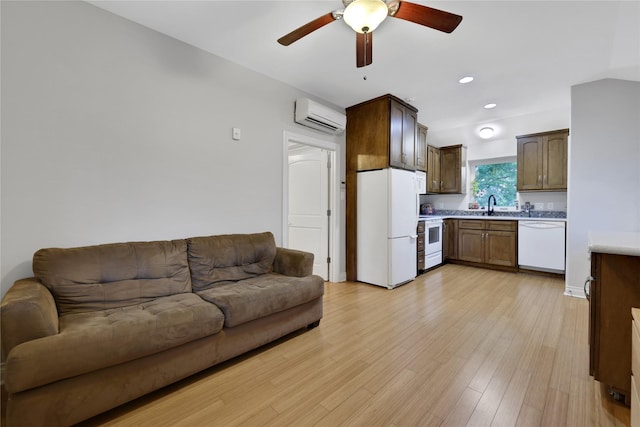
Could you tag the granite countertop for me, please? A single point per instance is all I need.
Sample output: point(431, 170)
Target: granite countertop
point(618, 243)
point(492, 218)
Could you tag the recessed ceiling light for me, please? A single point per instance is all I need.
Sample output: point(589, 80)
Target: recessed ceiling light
point(490, 106)
point(467, 79)
point(486, 133)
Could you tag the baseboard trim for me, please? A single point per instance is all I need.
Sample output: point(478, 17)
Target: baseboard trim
point(576, 292)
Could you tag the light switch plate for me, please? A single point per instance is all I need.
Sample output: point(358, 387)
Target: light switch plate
point(539, 206)
point(235, 134)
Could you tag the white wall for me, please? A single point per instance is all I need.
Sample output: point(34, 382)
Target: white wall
point(113, 132)
point(604, 168)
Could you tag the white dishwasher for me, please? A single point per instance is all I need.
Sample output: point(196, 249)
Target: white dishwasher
point(541, 245)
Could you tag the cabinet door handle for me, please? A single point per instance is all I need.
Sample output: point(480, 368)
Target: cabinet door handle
point(588, 282)
point(539, 178)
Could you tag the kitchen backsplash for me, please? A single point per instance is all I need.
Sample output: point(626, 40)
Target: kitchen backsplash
point(541, 201)
point(520, 214)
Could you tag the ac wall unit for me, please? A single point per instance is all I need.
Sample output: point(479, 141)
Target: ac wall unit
point(317, 116)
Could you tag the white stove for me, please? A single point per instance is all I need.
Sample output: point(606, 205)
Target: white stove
point(433, 241)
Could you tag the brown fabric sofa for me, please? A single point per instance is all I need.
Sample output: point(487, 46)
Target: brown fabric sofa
point(102, 325)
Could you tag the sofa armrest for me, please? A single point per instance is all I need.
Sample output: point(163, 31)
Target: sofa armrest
point(28, 312)
point(291, 262)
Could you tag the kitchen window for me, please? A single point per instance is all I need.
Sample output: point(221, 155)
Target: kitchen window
point(495, 177)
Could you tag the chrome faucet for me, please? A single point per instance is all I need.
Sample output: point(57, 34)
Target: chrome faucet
point(489, 207)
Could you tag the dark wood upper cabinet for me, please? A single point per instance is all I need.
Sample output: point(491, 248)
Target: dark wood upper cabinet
point(446, 169)
point(421, 148)
point(554, 161)
point(433, 169)
point(452, 170)
point(409, 139)
point(381, 133)
point(542, 161)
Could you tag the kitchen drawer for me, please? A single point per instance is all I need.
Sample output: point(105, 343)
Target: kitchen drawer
point(502, 225)
point(472, 224)
point(420, 260)
point(421, 240)
point(421, 227)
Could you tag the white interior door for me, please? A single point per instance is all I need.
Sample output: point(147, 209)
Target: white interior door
point(308, 218)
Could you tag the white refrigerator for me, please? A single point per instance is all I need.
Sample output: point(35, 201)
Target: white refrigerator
point(387, 214)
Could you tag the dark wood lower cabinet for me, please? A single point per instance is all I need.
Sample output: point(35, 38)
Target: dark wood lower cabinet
point(450, 239)
point(500, 248)
point(471, 245)
point(614, 289)
point(491, 243)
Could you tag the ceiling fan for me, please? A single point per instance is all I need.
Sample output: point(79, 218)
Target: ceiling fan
point(365, 15)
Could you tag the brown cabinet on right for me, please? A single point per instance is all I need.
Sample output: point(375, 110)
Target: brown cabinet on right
point(614, 289)
point(492, 243)
point(542, 161)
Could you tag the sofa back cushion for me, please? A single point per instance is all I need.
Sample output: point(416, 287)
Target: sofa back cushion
point(229, 258)
point(113, 275)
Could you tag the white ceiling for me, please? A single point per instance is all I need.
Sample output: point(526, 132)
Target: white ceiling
point(524, 55)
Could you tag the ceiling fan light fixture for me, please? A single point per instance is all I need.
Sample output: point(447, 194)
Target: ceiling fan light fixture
point(486, 132)
point(364, 16)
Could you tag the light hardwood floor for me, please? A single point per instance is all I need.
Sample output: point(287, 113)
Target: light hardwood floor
point(460, 346)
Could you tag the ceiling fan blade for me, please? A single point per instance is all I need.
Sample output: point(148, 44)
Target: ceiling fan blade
point(364, 48)
point(307, 28)
point(427, 16)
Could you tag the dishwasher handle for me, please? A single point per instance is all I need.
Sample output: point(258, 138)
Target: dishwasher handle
point(542, 224)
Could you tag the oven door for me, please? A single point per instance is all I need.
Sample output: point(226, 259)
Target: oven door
point(433, 237)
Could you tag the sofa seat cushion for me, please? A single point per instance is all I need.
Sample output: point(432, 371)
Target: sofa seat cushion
point(101, 277)
point(94, 340)
point(261, 296)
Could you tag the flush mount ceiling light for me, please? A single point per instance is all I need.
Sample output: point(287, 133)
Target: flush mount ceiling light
point(490, 106)
point(364, 16)
point(486, 132)
point(464, 80)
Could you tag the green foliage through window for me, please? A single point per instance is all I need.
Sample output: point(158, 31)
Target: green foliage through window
point(498, 179)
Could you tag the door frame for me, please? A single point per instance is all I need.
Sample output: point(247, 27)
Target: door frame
point(334, 194)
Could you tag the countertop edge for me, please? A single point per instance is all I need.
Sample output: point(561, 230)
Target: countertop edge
point(491, 218)
point(615, 243)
